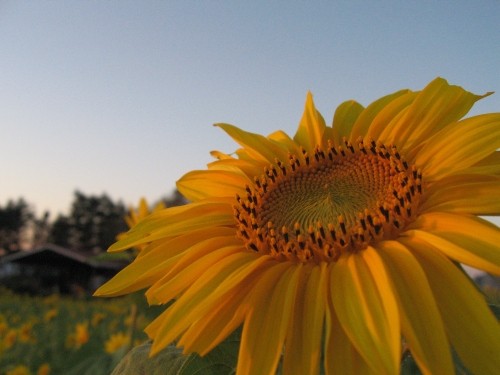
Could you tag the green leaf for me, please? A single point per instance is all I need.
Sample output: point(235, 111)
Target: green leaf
point(408, 365)
point(170, 361)
point(496, 310)
point(94, 365)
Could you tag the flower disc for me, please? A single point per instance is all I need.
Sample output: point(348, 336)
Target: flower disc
point(341, 199)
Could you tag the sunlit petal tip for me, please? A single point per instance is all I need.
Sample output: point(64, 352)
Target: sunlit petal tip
point(311, 128)
point(344, 118)
point(219, 155)
point(127, 242)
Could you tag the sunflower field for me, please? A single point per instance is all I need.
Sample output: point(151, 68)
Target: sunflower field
point(62, 335)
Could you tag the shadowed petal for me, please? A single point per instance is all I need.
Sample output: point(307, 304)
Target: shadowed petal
point(155, 262)
point(179, 316)
point(344, 118)
point(198, 185)
point(176, 221)
point(435, 107)
point(460, 146)
point(226, 308)
point(272, 303)
point(471, 326)
point(420, 318)
point(340, 356)
point(366, 118)
point(256, 145)
point(366, 308)
point(466, 239)
point(466, 194)
point(303, 344)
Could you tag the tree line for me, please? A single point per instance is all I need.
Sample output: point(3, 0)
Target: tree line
point(91, 226)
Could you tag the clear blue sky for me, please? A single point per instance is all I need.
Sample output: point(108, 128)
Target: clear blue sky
point(120, 97)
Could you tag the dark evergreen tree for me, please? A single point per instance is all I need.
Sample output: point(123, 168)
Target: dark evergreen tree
point(92, 225)
point(174, 199)
point(15, 217)
point(41, 229)
point(60, 231)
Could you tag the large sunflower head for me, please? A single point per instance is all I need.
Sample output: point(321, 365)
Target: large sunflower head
point(335, 247)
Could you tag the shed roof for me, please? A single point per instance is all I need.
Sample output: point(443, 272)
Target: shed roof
point(51, 251)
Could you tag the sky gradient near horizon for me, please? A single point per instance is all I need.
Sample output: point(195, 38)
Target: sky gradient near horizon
point(119, 97)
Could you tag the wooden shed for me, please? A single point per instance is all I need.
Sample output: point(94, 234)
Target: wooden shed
point(54, 269)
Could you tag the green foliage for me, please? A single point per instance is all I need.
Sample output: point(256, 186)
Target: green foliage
point(409, 366)
point(49, 326)
point(170, 361)
point(223, 360)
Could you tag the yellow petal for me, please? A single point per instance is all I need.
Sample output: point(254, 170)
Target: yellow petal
point(489, 165)
point(459, 146)
point(190, 263)
point(366, 308)
point(143, 208)
point(364, 121)
point(284, 139)
point(197, 185)
point(226, 309)
point(340, 356)
point(436, 106)
point(466, 239)
point(176, 221)
point(249, 168)
point(471, 326)
point(304, 342)
point(155, 262)
point(420, 318)
point(311, 127)
point(219, 155)
point(382, 125)
point(468, 194)
point(267, 321)
point(257, 146)
point(344, 118)
point(179, 316)
point(217, 324)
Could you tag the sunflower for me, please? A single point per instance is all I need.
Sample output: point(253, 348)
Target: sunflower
point(79, 337)
point(115, 342)
point(136, 215)
point(336, 248)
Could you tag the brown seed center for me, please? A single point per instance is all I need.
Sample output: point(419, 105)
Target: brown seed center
point(341, 199)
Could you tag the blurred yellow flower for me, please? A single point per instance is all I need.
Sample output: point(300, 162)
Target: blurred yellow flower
point(50, 314)
point(52, 299)
point(97, 318)
point(3, 327)
point(10, 338)
point(331, 245)
point(25, 333)
point(44, 369)
point(116, 342)
point(79, 337)
point(19, 370)
point(136, 215)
